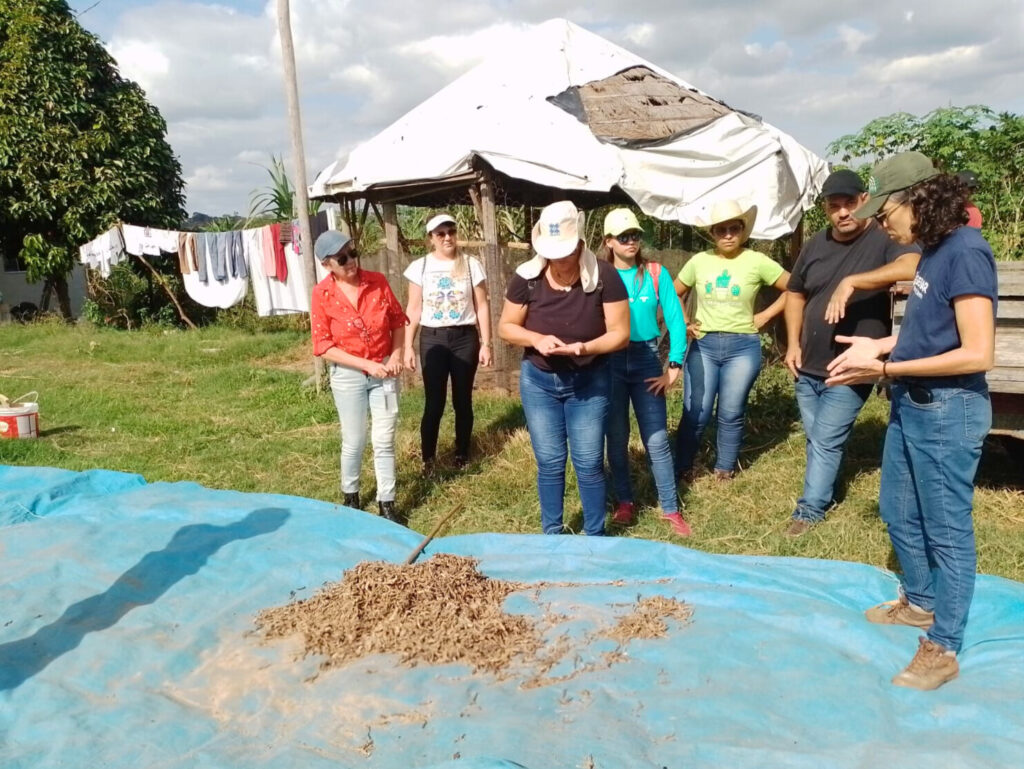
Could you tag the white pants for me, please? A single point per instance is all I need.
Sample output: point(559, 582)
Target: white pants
point(356, 396)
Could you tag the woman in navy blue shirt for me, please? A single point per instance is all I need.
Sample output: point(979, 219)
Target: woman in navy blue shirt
point(940, 410)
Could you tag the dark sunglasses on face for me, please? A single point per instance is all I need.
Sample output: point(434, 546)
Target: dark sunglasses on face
point(720, 230)
point(446, 233)
point(883, 215)
point(629, 237)
point(343, 258)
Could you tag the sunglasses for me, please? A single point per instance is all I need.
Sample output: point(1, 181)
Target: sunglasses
point(629, 237)
point(343, 259)
point(883, 215)
point(727, 229)
point(450, 232)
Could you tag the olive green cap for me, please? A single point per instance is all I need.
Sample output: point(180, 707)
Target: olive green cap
point(892, 175)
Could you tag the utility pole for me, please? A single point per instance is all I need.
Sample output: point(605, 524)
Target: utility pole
point(291, 89)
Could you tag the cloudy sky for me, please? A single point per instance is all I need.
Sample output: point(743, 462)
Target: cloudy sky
point(816, 70)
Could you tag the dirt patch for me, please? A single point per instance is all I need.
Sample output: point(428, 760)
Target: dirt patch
point(443, 610)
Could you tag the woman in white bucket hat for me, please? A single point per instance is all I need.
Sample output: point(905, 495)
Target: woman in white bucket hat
point(725, 355)
point(568, 311)
point(448, 304)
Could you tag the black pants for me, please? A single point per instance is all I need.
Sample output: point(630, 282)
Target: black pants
point(448, 352)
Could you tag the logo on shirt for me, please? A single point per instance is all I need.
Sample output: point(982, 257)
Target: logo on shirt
point(722, 289)
point(920, 286)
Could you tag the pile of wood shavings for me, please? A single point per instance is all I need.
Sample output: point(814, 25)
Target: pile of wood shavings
point(647, 620)
point(438, 611)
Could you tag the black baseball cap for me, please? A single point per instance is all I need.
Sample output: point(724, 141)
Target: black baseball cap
point(843, 182)
point(969, 178)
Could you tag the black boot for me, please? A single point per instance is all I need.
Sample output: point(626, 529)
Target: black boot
point(351, 500)
point(387, 510)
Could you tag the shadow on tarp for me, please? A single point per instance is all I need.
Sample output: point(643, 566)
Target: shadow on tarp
point(155, 573)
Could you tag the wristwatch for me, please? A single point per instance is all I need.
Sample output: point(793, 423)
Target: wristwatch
point(673, 364)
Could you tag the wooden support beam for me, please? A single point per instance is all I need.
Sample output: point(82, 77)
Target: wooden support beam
point(796, 244)
point(494, 264)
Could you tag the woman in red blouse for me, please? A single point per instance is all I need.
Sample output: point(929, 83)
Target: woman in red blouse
point(358, 326)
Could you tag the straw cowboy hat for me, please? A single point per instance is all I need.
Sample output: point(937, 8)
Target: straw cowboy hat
point(727, 211)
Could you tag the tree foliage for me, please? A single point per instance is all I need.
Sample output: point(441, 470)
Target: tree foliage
point(959, 138)
point(276, 201)
point(80, 147)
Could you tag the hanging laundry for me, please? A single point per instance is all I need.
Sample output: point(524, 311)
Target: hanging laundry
point(149, 241)
point(186, 253)
point(201, 261)
point(212, 293)
point(269, 260)
point(273, 296)
point(236, 256)
point(104, 252)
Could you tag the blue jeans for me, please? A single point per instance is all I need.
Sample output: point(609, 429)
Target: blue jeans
point(722, 365)
point(567, 406)
point(828, 415)
point(629, 368)
point(928, 465)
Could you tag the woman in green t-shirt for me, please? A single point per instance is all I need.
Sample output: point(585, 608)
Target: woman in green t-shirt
point(725, 355)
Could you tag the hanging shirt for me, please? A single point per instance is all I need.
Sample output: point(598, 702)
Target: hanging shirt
point(149, 241)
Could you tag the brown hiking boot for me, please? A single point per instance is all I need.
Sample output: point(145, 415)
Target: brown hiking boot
point(900, 612)
point(798, 527)
point(931, 667)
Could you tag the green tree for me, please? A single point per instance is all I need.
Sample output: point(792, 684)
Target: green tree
point(959, 138)
point(80, 147)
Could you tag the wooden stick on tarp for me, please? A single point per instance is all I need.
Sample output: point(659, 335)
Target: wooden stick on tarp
point(426, 540)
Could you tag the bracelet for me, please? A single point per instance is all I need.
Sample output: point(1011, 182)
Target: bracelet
point(486, 344)
point(884, 364)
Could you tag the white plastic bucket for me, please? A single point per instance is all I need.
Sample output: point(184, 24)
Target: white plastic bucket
point(20, 420)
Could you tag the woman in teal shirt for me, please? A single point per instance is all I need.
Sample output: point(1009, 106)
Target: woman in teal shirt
point(636, 371)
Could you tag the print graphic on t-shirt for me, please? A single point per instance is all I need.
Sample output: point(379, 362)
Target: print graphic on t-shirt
point(446, 299)
point(722, 290)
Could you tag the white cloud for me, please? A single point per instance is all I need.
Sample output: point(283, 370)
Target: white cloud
point(852, 38)
point(817, 72)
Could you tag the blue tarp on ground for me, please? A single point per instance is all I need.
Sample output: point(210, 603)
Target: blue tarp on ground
point(126, 619)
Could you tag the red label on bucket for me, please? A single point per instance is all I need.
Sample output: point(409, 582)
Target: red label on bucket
point(20, 421)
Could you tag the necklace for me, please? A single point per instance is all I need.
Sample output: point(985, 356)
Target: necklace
point(560, 285)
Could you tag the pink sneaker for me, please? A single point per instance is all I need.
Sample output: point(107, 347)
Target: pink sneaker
point(679, 526)
point(623, 515)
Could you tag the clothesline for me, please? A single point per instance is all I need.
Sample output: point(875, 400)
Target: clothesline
point(218, 267)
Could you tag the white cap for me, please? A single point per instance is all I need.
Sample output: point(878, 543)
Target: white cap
point(437, 221)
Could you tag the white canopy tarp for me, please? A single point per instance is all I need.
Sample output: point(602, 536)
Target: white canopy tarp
point(499, 111)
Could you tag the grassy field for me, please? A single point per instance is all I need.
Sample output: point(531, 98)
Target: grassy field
point(227, 409)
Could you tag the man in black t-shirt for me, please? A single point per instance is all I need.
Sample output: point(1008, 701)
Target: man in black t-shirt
point(839, 285)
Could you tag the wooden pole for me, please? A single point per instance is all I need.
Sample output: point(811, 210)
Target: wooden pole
point(495, 267)
point(291, 89)
point(796, 243)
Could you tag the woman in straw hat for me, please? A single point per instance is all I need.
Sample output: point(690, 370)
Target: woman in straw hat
point(725, 354)
point(358, 326)
point(637, 375)
point(446, 289)
point(940, 410)
point(568, 310)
